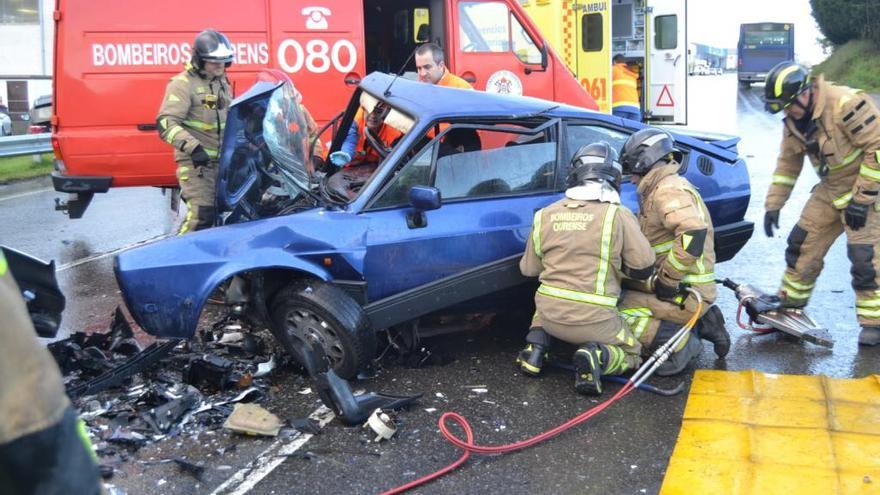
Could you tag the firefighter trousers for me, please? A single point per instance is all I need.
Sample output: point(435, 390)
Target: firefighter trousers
point(197, 188)
point(819, 226)
point(645, 314)
point(613, 332)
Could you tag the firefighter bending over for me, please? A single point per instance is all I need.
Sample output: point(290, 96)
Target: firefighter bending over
point(191, 119)
point(580, 247)
point(675, 220)
point(838, 129)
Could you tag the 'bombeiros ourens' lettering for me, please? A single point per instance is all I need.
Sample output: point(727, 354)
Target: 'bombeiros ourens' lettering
point(175, 54)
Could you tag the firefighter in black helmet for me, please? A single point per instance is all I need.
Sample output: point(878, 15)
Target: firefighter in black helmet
point(191, 119)
point(676, 221)
point(578, 248)
point(838, 129)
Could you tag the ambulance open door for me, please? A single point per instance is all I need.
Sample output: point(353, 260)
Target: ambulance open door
point(592, 28)
point(666, 44)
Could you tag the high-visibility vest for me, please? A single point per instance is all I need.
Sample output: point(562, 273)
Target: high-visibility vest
point(624, 86)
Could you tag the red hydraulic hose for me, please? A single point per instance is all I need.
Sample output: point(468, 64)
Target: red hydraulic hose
point(468, 445)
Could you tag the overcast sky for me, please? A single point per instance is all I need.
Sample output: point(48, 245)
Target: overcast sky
point(717, 23)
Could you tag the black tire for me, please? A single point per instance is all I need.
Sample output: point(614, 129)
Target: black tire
point(324, 314)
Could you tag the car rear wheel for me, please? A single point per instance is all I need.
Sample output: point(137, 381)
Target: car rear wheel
point(326, 316)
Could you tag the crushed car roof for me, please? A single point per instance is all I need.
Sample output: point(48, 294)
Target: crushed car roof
point(431, 101)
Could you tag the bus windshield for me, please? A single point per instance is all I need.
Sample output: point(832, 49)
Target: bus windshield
point(759, 39)
point(762, 46)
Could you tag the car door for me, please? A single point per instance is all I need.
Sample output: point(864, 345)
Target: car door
point(490, 192)
point(493, 50)
point(667, 61)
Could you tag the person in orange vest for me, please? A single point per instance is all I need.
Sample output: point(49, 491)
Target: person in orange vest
point(624, 91)
point(357, 149)
point(431, 67)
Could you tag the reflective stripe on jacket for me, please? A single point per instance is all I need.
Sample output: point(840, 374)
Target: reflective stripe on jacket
point(842, 143)
point(578, 250)
point(624, 86)
point(671, 208)
point(193, 112)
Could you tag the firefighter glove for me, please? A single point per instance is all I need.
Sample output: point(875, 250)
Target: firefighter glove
point(855, 215)
point(771, 220)
point(673, 294)
point(199, 156)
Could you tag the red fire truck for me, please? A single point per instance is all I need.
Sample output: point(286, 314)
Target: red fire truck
point(113, 60)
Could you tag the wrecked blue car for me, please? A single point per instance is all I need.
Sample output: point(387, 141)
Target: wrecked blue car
point(439, 223)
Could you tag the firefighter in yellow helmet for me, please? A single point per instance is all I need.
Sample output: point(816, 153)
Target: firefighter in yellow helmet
point(580, 247)
point(675, 220)
point(838, 129)
point(191, 119)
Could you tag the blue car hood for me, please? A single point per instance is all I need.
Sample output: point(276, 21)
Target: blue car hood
point(166, 284)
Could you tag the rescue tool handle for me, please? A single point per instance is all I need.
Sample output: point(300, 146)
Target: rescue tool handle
point(730, 284)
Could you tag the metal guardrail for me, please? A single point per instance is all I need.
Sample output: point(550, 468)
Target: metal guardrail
point(25, 144)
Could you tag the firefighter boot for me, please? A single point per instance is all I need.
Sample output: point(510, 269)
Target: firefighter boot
point(588, 366)
point(869, 336)
point(531, 359)
point(711, 328)
point(679, 359)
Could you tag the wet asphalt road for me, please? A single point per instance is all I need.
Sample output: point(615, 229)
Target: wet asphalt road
point(624, 450)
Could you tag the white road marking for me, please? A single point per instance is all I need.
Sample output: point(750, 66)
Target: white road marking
point(29, 193)
point(247, 478)
point(96, 257)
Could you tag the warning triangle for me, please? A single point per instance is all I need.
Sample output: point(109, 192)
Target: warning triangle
point(667, 102)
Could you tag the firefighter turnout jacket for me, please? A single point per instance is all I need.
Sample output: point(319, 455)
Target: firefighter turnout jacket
point(677, 224)
point(193, 112)
point(580, 251)
point(842, 141)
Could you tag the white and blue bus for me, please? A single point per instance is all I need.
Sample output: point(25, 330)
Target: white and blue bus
point(761, 46)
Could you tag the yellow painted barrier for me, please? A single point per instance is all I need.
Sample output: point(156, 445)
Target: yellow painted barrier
point(751, 433)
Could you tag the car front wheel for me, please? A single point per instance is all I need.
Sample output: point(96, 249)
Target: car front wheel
point(325, 316)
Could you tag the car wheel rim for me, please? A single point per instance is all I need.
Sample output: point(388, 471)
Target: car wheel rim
point(317, 331)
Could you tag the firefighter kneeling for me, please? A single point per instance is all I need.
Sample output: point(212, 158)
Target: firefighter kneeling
point(578, 248)
point(676, 222)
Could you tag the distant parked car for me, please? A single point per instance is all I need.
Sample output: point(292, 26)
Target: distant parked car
point(5, 125)
point(41, 115)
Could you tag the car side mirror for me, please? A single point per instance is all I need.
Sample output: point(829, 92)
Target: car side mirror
point(544, 61)
point(422, 199)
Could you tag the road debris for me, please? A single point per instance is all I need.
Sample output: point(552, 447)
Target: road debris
point(252, 419)
point(382, 425)
point(128, 401)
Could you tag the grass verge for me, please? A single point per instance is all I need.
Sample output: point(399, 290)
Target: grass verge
point(24, 167)
point(854, 64)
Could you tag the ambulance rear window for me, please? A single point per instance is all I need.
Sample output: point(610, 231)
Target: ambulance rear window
point(591, 33)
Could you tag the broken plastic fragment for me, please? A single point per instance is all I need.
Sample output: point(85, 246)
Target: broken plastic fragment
point(231, 338)
point(382, 425)
point(264, 369)
point(252, 419)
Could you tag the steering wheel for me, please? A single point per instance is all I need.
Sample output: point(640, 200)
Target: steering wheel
point(376, 143)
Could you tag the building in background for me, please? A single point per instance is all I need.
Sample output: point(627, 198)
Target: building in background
point(26, 37)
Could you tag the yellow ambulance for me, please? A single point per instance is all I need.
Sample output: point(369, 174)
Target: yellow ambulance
point(650, 34)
